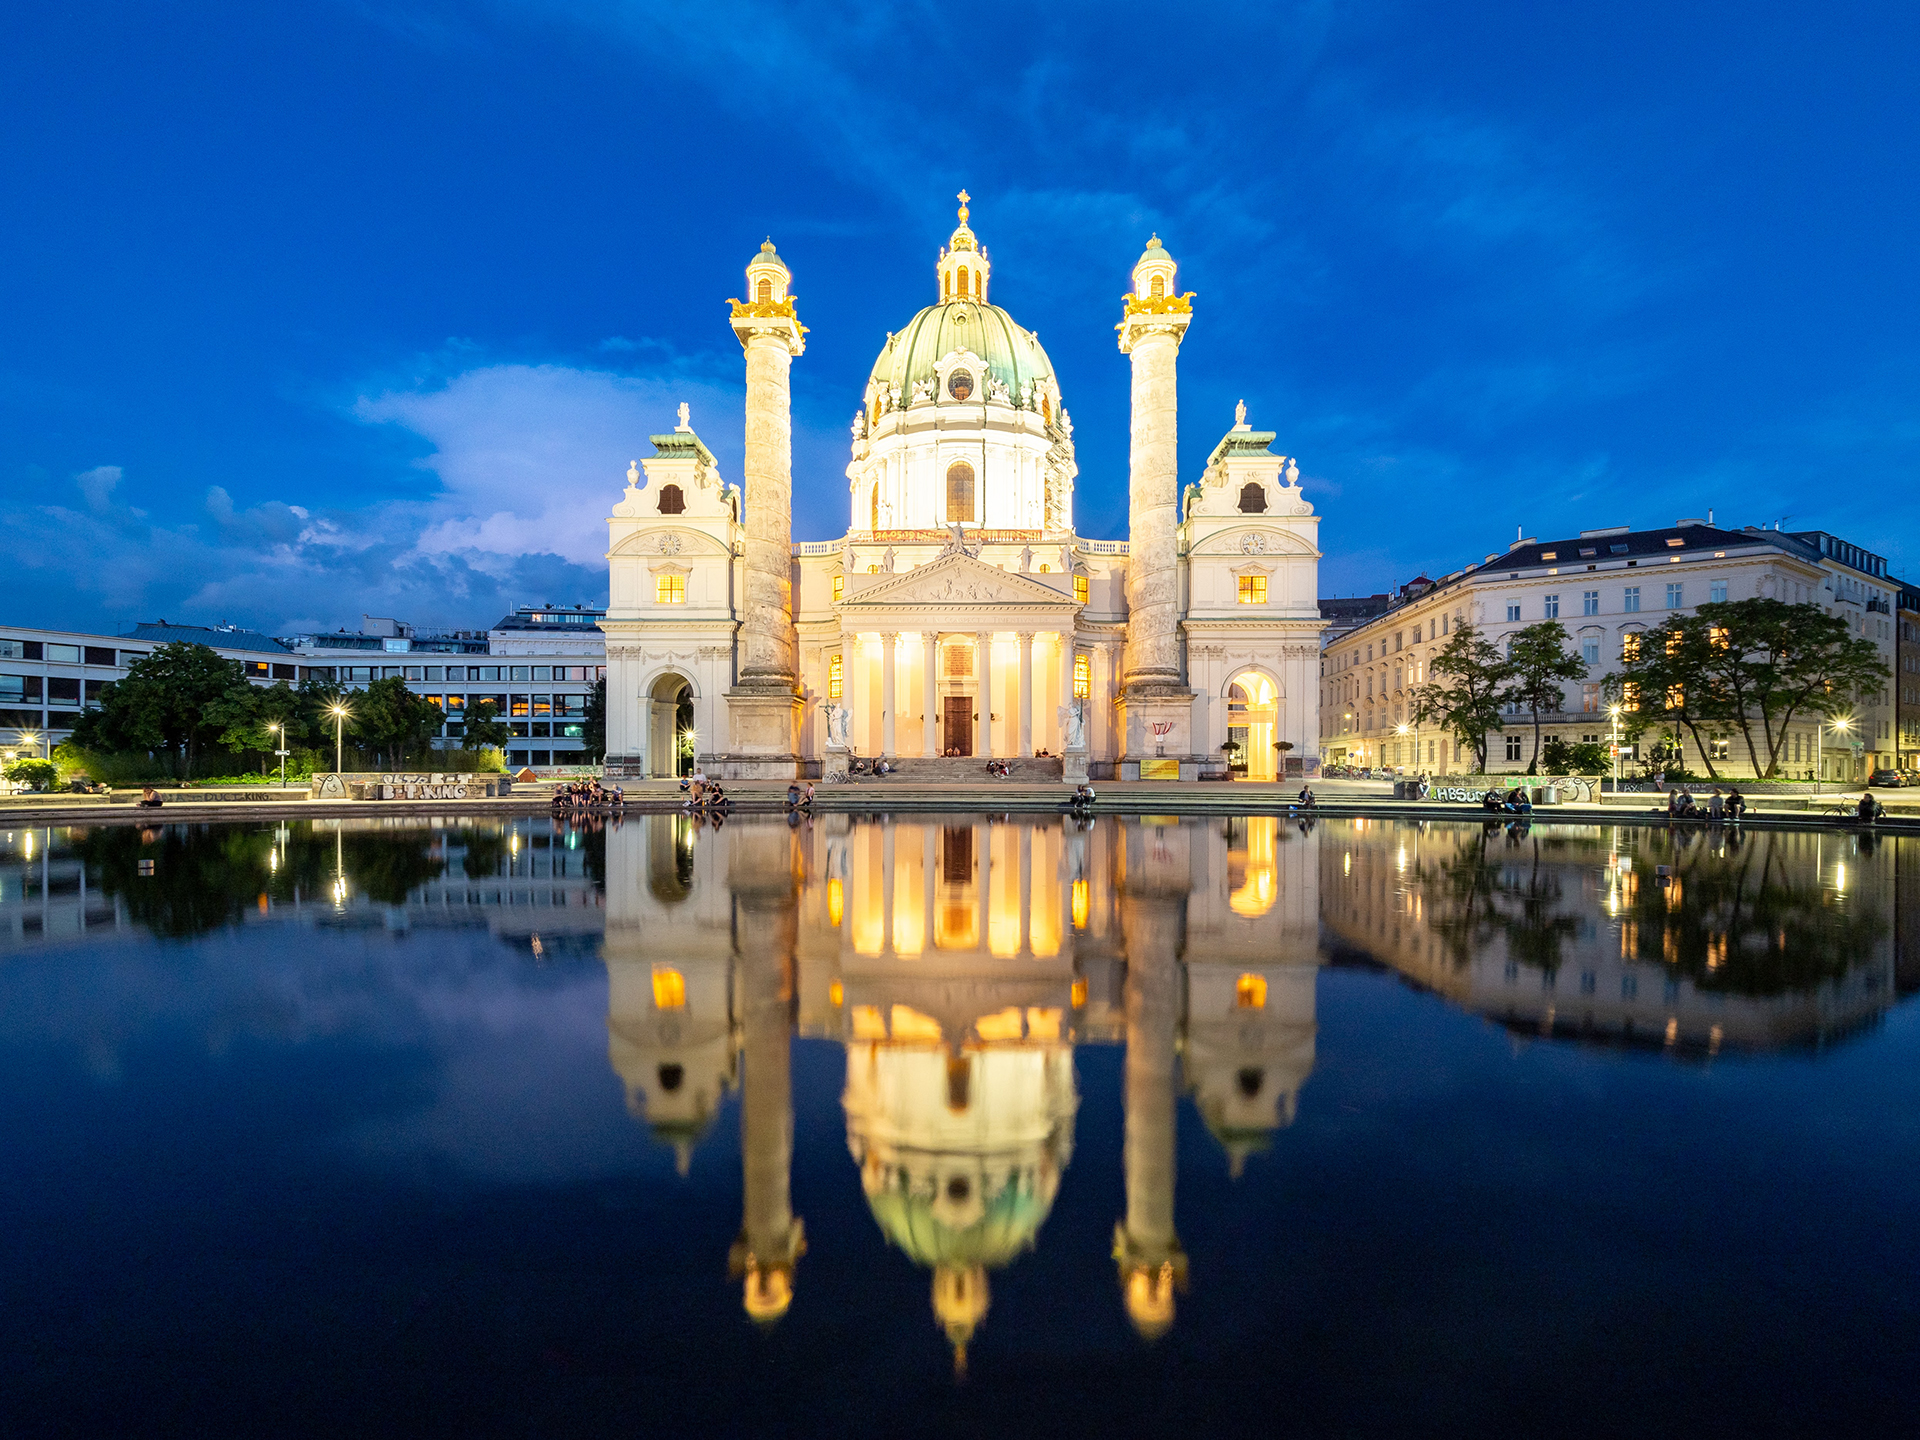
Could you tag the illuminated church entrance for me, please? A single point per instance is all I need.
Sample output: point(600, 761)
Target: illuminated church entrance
point(1252, 712)
point(670, 743)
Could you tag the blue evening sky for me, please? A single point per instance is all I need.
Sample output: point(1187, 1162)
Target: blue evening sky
point(313, 310)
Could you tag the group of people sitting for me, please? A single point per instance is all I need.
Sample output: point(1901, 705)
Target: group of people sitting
point(1681, 805)
point(1507, 802)
point(999, 769)
point(705, 796)
point(588, 795)
point(798, 801)
point(1082, 798)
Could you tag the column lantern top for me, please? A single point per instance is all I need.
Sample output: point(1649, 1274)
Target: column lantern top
point(768, 309)
point(1154, 305)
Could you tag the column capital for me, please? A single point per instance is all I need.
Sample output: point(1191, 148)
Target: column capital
point(1026, 636)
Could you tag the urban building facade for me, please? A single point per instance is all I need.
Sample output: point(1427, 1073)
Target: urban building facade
point(1605, 587)
point(1906, 678)
point(962, 615)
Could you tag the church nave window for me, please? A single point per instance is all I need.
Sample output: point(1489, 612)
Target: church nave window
point(836, 677)
point(1079, 589)
point(959, 491)
point(669, 589)
point(1082, 676)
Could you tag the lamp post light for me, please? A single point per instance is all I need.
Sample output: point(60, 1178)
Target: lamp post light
point(1843, 724)
point(279, 728)
point(1614, 712)
point(339, 713)
point(30, 739)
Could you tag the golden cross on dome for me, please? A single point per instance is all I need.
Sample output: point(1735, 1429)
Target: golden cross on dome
point(963, 198)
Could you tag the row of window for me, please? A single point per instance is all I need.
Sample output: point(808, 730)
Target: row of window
point(515, 705)
point(454, 674)
point(1629, 600)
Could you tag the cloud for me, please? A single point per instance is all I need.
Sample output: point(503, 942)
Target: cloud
point(97, 486)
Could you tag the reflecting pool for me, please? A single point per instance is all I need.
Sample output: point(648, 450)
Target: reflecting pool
point(937, 1122)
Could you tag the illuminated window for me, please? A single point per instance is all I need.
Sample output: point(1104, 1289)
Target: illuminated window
point(839, 586)
point(1630, 695)
point(1253, 589)
point(669, 589)
point(1251, 992)
point(1079, 589)
point(1046, 569)
point(835, 676)
point(673, 500)
point(873, 509)
point(959, 491)
point(873, 569)
point(1079, 993)
point(1673, 642)
point(765, 292)
point(1630, 646)
point(669, 988)
point(1676, 697)
point(1159, 287)
point(836, 901)
point(1082, 676)
point(960, 385)
point(963, 282)
point(836, 996)
point(1717, 636)
point(959, 662)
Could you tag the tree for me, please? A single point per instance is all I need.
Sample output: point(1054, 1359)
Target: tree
point(33, 772)
point(179, 699)
point(484, 727)
point(1564, 758)
point(594, 732)
point(1538, 663)
point(391, 718)
point(1748, 666)
point(1467, 704)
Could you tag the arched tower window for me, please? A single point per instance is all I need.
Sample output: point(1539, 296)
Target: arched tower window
point(1253, 498)
point(946, 287)
point(672, 500)
point(963, 282)
point(765, 292)
point(1159, 288)
point(959, 491)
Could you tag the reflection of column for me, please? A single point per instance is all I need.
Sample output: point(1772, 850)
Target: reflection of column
point(1026, 888)
point(983, 878)
point(772, 1237)
point(929, 679)
point(927, 862)
point(886, 887)
point(1144, 1245)
point(889, 690)
point(1026, 692)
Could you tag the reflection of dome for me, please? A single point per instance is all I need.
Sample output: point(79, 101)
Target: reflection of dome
point(960, 1157)
point(1012, 354)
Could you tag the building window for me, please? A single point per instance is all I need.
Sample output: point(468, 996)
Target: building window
point(764, 294)
point(669, 985)
point(1676, 697)
point(1717, 592)
point(960, 383)
point(1253, 499)
point(963, 281)
point(1673, 595)
point(1513, 610)
point(1590, 699)
point(1082, 676)
point(839, 586)
point(1552, 610)
point(1630, 599)
point(672, 501)
point(1512, 747)
point(873, 509)
point(669, 589)
point(1253, 589)
point(1630, 696)
point(1079, 589)
point(1720, 749)
point(835, 676)
point(1590, 649)
point(1589, 602)
point(959, 491)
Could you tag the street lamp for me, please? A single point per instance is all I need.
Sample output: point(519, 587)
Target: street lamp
point(280, 728)
point(1614, 711)
point(1843, 724)
point(31, 738)
point(339, 713)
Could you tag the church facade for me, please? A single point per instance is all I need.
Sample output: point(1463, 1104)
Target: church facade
point(961, 616)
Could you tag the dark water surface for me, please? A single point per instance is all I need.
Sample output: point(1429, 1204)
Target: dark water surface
point(949, 1126)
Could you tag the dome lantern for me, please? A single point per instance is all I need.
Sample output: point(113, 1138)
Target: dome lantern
point(1154, 272)
point(963, 266)
point(767, 277)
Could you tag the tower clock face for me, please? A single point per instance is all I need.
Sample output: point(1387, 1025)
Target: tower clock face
point(960, 385)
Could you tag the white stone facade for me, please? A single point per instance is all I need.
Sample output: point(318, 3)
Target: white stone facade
point(962, 616)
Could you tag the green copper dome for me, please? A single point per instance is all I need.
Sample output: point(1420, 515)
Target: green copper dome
point(1012, 354)
point(1011, 1221)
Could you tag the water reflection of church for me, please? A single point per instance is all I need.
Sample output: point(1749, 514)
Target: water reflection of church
point(960, 962)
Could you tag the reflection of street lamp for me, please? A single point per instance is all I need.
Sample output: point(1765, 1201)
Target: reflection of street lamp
point(1614, 711)
point(339, 713)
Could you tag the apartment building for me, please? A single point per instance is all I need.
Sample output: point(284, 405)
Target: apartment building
point(549, 657)
point(1602, 586)
point(1906, 678)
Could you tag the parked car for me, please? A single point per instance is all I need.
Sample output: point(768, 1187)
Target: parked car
point(1890, 779)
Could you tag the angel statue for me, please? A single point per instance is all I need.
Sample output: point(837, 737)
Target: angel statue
point(1073, 715)
point(839, 724)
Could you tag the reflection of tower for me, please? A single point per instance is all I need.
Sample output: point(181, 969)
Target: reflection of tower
point(771, 1235)
point(1152, 907)
point(669, 958)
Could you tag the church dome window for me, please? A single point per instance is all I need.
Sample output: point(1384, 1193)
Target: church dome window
point(959, 491)
point(960, 385)
point(673, 500)
point(963, 282)
point(1159, 288)
point(1253, 498)
point(764, 293)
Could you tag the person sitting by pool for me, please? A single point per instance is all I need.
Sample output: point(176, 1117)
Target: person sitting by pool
point(793, 795)
point(1716, 807)
point(1518, 803)
point(1307, 801)
point(149, 798)
point(1736, 803)
point(1869, 809)
point(808, 801)
point(1490, 801)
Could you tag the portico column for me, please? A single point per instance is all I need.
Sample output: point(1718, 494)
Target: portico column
point(889, 691)
point(983, 662)
point(1026, 693)
point(929, 679)
point(1066, 686)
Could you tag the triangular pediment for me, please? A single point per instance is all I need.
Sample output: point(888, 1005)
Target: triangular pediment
point(957, 580)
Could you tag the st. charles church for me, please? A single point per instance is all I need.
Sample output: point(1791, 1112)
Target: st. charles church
point(961, 616)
